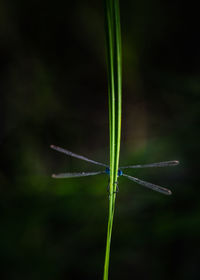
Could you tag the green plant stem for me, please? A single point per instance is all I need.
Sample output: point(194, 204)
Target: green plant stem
point(113, 33)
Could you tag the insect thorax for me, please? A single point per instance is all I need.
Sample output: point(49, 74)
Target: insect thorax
point(108, 171)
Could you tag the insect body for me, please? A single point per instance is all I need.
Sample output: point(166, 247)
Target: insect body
point(120, 172)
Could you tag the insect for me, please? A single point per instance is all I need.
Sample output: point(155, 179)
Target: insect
point(120, 172)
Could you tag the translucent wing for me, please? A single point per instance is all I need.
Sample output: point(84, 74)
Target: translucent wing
point(79, 174)
point(157, 164)
point(148, 185)
point(64, 151)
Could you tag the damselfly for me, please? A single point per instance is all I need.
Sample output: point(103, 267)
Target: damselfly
point(120, 172)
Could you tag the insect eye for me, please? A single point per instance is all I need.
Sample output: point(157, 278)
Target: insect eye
point(107, 170)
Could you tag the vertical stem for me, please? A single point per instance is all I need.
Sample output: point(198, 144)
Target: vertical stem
point(118, 81)
point(113, 33)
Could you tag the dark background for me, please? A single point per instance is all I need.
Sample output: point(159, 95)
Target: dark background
point(53, 87)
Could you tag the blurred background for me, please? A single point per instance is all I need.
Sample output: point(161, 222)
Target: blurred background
point(53, 84)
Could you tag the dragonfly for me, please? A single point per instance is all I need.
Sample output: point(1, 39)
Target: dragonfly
point(120, 170)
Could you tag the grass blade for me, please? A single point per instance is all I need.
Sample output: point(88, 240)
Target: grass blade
point(113, 33)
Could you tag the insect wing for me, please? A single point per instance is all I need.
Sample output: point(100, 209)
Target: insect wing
point(64, 151)
point(156, 164)
point(78, 174)
point(149, 185)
